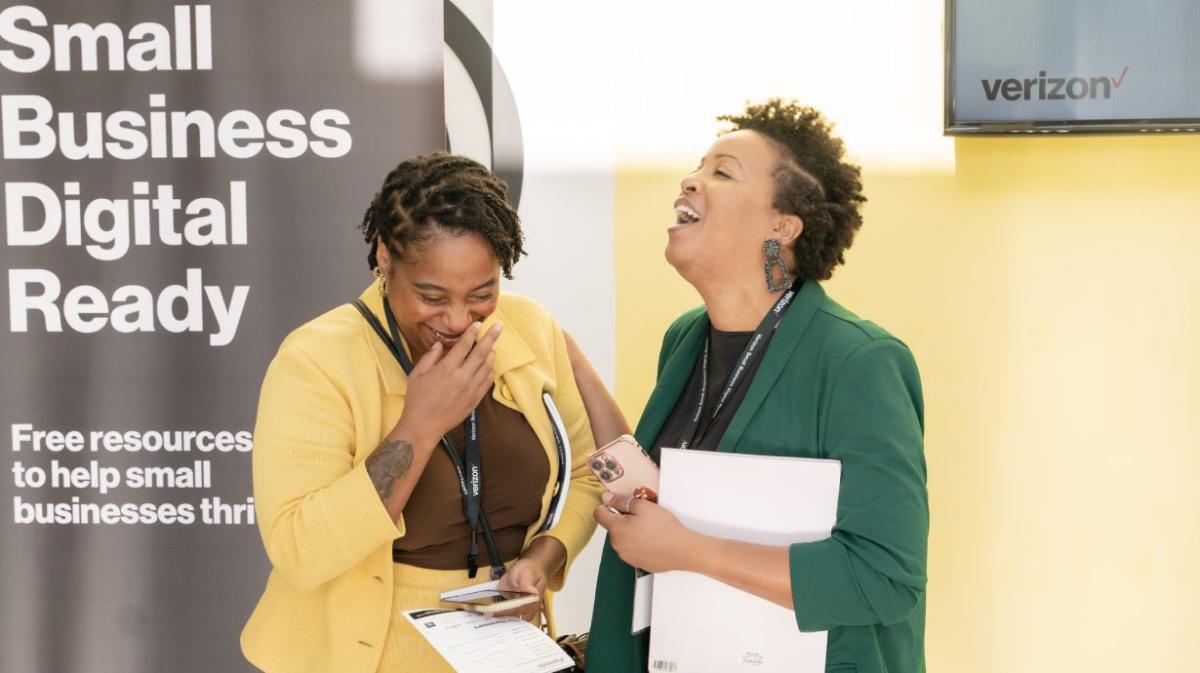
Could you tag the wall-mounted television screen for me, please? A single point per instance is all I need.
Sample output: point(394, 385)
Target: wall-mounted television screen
point(1047, 66)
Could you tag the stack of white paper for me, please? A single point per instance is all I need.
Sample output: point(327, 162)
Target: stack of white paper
point(699, 625)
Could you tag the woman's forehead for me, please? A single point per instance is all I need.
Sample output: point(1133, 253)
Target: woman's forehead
point(749, 148)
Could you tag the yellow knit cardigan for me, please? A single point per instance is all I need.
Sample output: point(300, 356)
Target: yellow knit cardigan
point(330, 395)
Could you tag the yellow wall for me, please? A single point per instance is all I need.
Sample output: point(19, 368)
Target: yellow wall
point(1049, 289)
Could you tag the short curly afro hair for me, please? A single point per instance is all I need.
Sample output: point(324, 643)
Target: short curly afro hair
point(813, 181)
point(445, 191)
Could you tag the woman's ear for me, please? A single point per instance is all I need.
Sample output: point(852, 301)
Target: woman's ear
point(383, 256)
point(788, 229)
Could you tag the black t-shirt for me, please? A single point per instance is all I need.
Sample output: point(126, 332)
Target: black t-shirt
point(725, 349)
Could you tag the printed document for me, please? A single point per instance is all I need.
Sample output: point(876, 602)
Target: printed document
point(699, 625)
point(475, 643)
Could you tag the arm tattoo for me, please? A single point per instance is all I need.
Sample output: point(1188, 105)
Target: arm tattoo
point(389, 463)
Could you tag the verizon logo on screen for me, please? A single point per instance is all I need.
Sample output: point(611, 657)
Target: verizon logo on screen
point(1053, 88)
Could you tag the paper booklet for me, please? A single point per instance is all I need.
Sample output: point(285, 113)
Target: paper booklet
point(475, 643)
point(699, 625)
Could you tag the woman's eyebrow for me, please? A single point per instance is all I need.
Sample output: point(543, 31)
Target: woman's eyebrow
point(433, 287)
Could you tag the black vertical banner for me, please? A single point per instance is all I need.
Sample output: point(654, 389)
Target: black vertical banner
point(180, 188)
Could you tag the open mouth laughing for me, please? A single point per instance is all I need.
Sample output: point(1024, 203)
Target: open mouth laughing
point(685, 214)
point(447, 340)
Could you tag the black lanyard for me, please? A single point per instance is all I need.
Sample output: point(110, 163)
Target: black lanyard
point(472, 488)
point(693, 432)
point(472, 502)
point(470, 476)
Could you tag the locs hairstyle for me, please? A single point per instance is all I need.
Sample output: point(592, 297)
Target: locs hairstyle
point(813, 181)
point(445, 192)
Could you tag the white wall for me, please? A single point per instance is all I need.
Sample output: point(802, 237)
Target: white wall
point(560, 60)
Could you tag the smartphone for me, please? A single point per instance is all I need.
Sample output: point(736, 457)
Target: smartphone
point(492, 601)
point(623, 466)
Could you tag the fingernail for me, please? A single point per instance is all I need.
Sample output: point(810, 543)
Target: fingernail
point(497, 328)
point(606, 497)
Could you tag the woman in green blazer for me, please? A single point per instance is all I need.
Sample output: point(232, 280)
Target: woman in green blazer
point(776, 195)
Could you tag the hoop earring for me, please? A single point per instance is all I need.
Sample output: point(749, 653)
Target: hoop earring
point(774, 253)
point(383, 288)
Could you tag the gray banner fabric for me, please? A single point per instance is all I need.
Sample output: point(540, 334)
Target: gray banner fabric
point(181, 186)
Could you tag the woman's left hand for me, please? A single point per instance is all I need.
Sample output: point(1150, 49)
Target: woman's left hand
point(648, 536)
point(525, 575)
point(532, 571)
point(530, 575)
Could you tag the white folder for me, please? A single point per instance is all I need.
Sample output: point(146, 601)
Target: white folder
point(699, 625)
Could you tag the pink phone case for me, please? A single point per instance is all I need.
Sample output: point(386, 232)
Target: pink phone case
point(622, 466)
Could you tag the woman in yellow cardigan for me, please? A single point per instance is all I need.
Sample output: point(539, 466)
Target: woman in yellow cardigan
point(364, 509)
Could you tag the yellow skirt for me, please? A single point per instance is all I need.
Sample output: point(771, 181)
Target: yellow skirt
point(406, 650)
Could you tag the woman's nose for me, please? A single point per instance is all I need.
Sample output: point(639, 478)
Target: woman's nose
point(458, 319)
point(689, 184)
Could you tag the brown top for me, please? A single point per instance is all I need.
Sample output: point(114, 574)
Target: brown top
point(514, 470)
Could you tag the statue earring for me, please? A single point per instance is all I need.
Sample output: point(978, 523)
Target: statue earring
point(382, 278)
point(774, 253)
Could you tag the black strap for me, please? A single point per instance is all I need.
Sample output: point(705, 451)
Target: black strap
point(695, 431)
point(561, 441)
point(469, 467)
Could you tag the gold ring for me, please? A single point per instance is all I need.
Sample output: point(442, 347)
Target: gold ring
point(629, 504)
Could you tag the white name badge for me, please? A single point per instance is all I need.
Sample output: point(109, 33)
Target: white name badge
point(643, 591)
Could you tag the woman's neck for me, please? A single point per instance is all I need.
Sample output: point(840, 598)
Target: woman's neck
point(736, 307)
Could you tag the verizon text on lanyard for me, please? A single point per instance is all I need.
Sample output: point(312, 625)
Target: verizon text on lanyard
point(472, 488)
point(698, 426)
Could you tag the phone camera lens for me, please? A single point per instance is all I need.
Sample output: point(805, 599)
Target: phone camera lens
point(606, 476)
point(597, 465)
point(610, 465)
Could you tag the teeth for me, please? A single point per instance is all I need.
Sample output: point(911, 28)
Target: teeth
point(684, 214)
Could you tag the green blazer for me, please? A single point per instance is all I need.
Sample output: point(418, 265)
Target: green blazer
point(831, 386)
